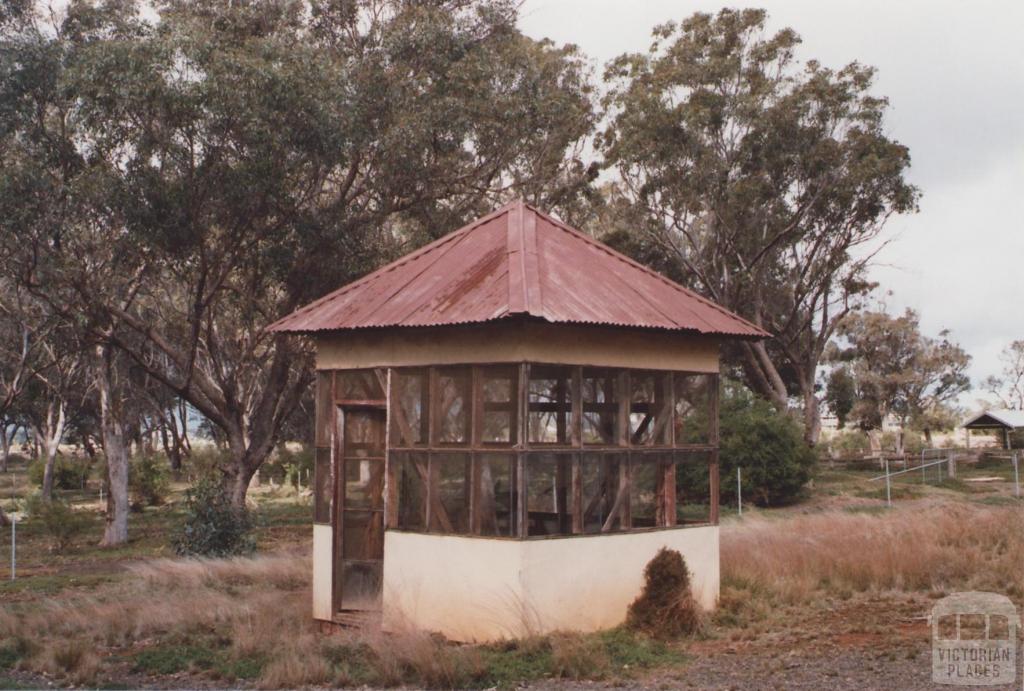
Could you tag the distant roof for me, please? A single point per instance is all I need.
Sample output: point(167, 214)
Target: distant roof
point(514, 262)
point(990, 419)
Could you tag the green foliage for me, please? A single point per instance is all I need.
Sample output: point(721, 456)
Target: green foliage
point(777, 463)
point(61, 523)
point(68, 473)
point(665, 607)
point(213, 527)
point(896, 370)
point(204, 461)
point(289, 466)
point(840, 394)
point(756, 174)
point(369, 127)
point(913, 442)
point(849, 442)
point(149, 480)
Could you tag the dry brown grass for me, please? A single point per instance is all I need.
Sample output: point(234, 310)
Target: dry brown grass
point(928, 548)
point(249, 609)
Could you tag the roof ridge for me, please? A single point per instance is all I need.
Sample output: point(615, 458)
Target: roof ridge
point(635, 264)
point(401, 261)
point(524, 289)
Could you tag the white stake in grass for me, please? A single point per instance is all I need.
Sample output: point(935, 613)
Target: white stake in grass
point(739, 489)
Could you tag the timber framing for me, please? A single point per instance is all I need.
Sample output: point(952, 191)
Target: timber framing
point(646, 438)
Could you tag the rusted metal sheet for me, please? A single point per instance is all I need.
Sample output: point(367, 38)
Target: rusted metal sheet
point(516, 261)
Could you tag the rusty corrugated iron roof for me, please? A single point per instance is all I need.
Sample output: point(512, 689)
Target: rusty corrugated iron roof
point(516, 262)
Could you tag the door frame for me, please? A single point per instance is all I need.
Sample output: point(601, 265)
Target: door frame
point(338, 513)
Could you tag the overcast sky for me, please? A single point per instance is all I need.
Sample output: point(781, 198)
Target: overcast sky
point(954, 74)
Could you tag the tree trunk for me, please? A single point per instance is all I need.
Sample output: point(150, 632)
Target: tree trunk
point(812, 418)
point(5, 447)
point(51, 443)
point(762, 376)
point(115, 531)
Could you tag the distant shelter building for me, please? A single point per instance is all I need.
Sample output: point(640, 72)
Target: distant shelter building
point(510, 423)
point(1005, 425)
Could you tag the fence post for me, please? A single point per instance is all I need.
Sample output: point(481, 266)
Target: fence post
point(1016, 472)
point(739, 489)
point(888, 488)
point(951, 472)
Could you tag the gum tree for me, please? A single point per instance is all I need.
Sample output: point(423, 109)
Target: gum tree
point(760, 180)
point(234, 160)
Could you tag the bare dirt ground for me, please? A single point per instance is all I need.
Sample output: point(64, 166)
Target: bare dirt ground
point(879, 643)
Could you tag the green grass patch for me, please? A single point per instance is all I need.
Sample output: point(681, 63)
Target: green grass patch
point(618, 653)
point(958, 485)
point(873, 509)
point(53, 583)
point(13, 684)
point(898, 491)
point(174, 659)
point(249, 667)
point(185, 657)
point(628, 650)
point(998, 500)
point(8, 657)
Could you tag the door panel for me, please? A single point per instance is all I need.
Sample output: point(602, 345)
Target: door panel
point(360, 552)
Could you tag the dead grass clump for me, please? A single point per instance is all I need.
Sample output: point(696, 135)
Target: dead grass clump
point(73, 659)
point(665, 607)
point(577, 657)
point(417, 657)
point(934, 548)
point(295, 666)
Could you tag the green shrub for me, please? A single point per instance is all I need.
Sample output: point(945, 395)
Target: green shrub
point(149, 480)
point(61, 523)
point(777, 463)
point(204, 461)
point(68, 473)
point(849, 442)
point(287, 466)
point(213, 527)
point(665, 607)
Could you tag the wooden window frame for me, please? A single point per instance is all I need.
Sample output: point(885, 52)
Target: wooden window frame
point(522, 450)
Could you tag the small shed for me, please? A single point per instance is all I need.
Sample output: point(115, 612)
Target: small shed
point(1005, 423)
point(510, 423)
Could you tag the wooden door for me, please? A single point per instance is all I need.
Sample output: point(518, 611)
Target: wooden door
point(359, 541)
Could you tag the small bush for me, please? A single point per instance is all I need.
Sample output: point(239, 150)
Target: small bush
point(148, 481)
point(665, 608)
point(68, 473)
point(213, 527)
point(777, 463)
point(59, 521)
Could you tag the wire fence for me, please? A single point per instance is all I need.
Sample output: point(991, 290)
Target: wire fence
point(945, 468)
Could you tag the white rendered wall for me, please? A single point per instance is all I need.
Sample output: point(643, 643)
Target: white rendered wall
point(475, 589)
point(322, 548)
point(586, 583)
point(469, 589)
